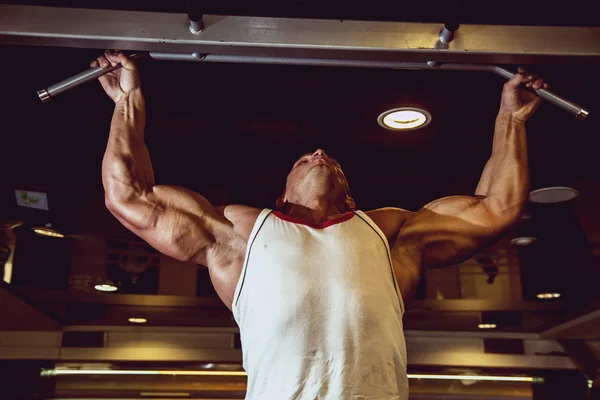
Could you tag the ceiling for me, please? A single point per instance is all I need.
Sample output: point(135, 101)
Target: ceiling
point(471, 11)
point(231, 132)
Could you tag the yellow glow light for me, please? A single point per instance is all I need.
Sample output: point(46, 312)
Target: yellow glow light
point(106, 287)
point(476, 377)
point(138, 320)
point(487, 326)
point(140, 372)
point(47, 232)
point(54, 372)
point(402, 119)
point(548, 295)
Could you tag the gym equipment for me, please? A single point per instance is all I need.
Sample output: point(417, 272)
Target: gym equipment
point(47, 94)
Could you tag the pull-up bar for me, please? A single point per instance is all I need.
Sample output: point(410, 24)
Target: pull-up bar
point(47, 94)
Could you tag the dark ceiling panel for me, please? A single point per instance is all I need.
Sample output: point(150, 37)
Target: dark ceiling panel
point(530, 12)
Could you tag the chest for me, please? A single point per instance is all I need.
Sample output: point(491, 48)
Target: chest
point(296, 260)
point(303, 274)
point(342, 250)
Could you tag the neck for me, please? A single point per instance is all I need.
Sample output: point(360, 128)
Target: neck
point(317, 212)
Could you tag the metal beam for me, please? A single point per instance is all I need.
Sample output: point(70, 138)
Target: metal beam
point(471, 334)
point(472, 305)
point(154, 329)
point(583, 355)
point(304, 38)
point(17, 313)
point(174, 344)
point(43, 295)
point(484, 360)
point(235, 329)
point(163, 354)
point(441, 359)
point(570, 327)
point(150, 354)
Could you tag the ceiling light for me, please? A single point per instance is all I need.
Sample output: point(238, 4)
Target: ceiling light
point(48, 232)
point(106, 287)
point(478, 377)
point(523, 240)
point(555, 194)
point(404, 119)
point(138, 320)
point(548, 295)
point(487, 326)
point(55, 372)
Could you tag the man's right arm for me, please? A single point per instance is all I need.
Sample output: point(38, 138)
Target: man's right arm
point(175, 221)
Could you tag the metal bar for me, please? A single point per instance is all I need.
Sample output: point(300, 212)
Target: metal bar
point(46, 94)
point(452, 24)
point(252, 36)
point(453, 21)
point(175, 56)
point(571, 107)
point(195, 16)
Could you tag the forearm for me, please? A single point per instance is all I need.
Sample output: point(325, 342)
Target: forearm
point(505, 179)
point(126, 168)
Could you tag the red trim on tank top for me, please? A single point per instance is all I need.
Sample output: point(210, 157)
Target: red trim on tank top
point(329, 222)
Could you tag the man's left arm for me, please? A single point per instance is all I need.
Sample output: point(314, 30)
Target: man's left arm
point(450, 230)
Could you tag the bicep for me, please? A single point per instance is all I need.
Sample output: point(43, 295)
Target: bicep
point(177, 222)
point(450, 230)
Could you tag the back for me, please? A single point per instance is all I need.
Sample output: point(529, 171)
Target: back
point(319, 311)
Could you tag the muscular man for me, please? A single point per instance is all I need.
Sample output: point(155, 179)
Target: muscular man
point(317, 288)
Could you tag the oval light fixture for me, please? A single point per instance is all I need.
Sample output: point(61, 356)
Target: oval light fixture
point(404, 119)
point(487, 326)
point(138, 320)
point(548, 295)
point(106, 287)
point(48, 232)
point(523, 240)
point(554, 194)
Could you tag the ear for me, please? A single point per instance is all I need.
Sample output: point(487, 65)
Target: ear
point(350, 203)
point(280, 202)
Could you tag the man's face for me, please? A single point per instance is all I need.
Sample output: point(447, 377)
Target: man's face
point(317, 171)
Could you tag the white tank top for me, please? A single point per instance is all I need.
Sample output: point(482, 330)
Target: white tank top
point(319, 311)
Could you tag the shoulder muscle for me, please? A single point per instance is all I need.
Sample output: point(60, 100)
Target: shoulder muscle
point(389, 220)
